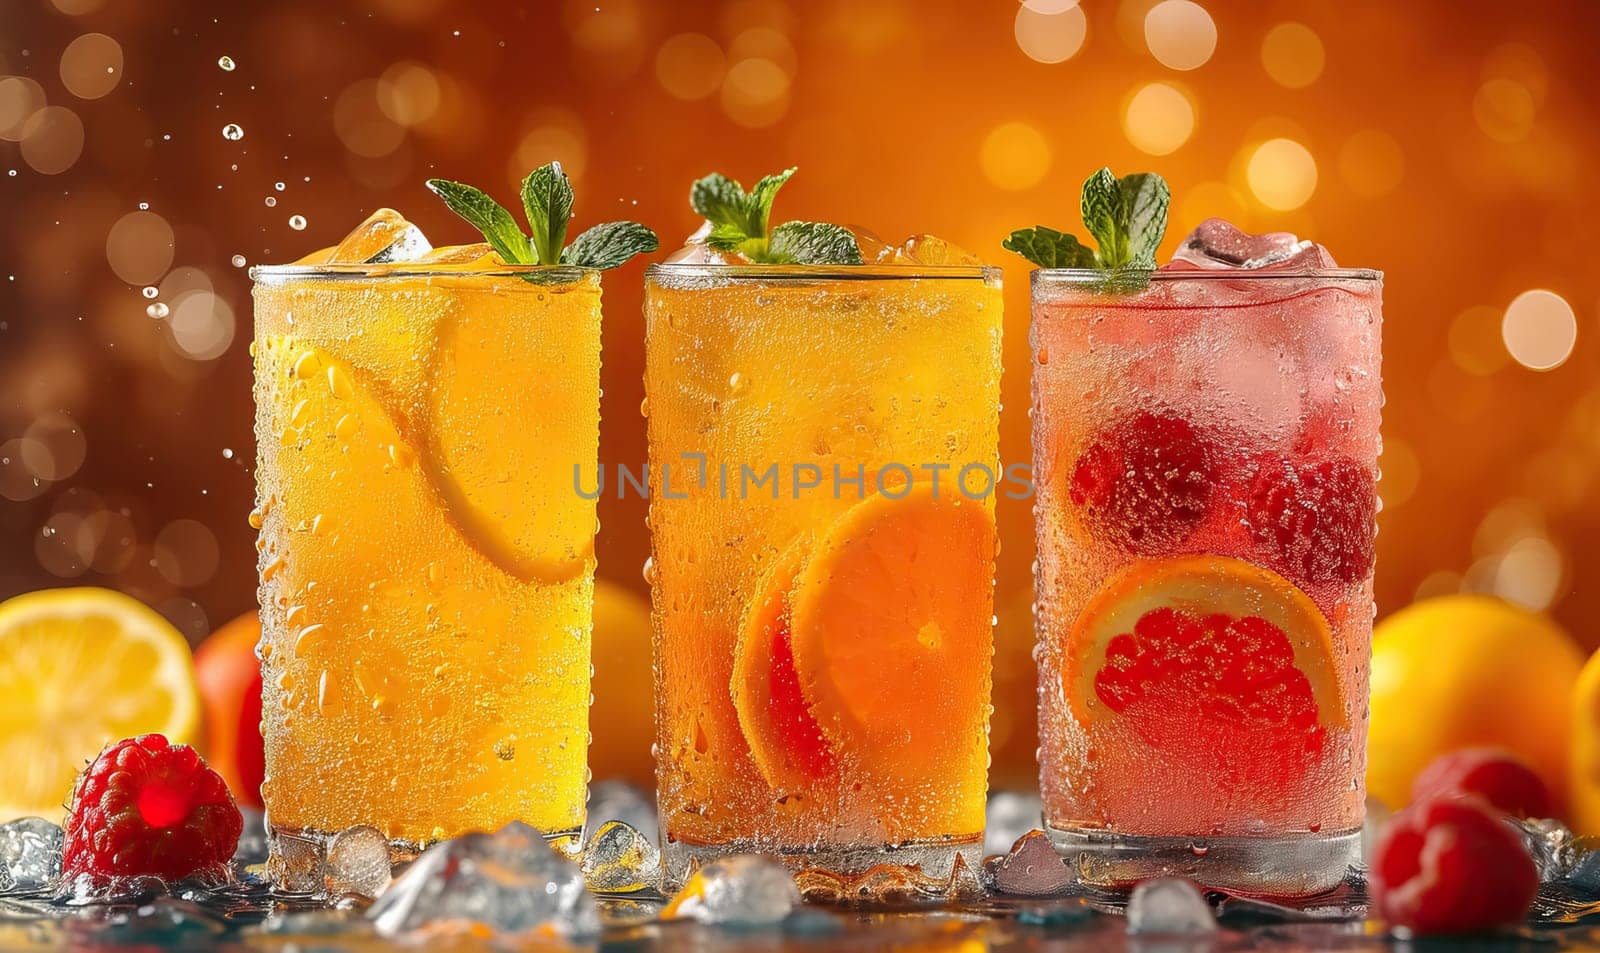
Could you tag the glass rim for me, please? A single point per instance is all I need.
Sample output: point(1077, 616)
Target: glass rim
point(1095, 276)
point(414, 269)
point(762, 272)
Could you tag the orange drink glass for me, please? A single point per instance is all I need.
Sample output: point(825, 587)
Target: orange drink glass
point(426, 559)
point(1205, 458)
point(823, 561)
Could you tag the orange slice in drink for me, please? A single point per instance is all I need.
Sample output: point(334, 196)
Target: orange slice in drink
point(1210, 661)
point(785, 740)
point(502, 441)
point(891, 629)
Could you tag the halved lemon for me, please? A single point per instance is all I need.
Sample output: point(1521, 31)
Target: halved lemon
point(786, 742)
point(80, 668)
point(1208, 659)
point(891, 630)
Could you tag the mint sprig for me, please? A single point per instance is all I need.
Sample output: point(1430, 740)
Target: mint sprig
point(742, 222)
point(547, 200)
point(1127, 218)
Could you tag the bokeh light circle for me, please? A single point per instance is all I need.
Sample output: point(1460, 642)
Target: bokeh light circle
point(53, 446)
point(1372, 163)
point(1158, 119)
point(1015, 156)
point(408, 93)
point(52, 140)
point(91, 66)
point(1539, 329)
point(755, 93)
point(1292, 55)
point(20, 98)
point(139, 247)
point(1180, 34)
point(202, 325)
point(690, 66)
point(186, 553)
point(1050, 37)
point(1504, 109)
point(1282, 174)
point(360, 122)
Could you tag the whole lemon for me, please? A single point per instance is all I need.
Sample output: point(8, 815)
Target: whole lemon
point(622, 719)
point(1467, 671)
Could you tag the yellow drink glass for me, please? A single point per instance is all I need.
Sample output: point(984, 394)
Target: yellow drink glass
point(822, 612)
point(426, 558)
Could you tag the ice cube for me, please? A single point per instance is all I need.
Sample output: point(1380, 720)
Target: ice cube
point(462, 255)
point(1217, 244)
point(357, 862)
point(385, 237)
point(739, 891)
point(933, 250)
point(620, 860)
point(30, 853)
point(1010, 815)
point(1556, 850)
point(510, 881)
point(1033, 868)
point(620, 801)
point(1171, 906)
point(699, 253)
point(873, 248)
point(965, 884)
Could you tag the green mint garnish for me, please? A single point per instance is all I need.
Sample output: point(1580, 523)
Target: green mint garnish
point(1126, 216)
point(547, 200)
point(742, 222)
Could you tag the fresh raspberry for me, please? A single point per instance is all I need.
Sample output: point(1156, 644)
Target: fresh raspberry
point(1452, 865)
point(1317, 516)
point(149, 808)
point(1488, 773)
point(1146, 483)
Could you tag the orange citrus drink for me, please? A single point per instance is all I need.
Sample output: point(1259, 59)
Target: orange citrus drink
point(426, 558)
point(823, 443)
point(1205, 458)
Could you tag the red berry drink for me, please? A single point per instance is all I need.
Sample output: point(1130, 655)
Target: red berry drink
point(1205, 458)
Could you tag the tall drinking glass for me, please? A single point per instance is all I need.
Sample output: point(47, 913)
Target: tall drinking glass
point(1205, 455)
point(426, 560)
point(824, 457)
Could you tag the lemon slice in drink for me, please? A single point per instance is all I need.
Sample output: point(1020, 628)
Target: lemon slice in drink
point(80, 668)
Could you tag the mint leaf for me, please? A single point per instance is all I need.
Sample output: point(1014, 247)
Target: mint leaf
point(719, 200)
point(1049, 248)
point(758, 208)
point(499, 229)
point(547, 199)
point(1101, 204)
point(812, 243)
point(1142, 216)
point(608, 245)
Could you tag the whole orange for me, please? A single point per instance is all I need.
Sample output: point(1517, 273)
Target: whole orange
point(230, 694)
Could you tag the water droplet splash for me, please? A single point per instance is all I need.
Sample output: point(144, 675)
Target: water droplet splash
point(150, 291)
point(233, 132)
point(225, 63)
point(297, 222)
point(158, 310)
point(238, 261)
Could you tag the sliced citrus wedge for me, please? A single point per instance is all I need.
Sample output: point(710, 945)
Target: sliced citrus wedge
point(785, 740)
point(80, 668)
point(1209, 659)
point(891, 630)
point(507, 427)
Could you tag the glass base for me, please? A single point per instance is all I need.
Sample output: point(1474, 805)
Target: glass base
point(873, 873)
point(297, 857)
point(1285, 865)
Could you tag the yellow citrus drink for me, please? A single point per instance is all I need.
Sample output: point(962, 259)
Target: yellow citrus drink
point(426, 557)
point(824, 461)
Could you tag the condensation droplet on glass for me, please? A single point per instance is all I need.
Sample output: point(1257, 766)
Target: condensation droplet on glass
point(233, 132)
point(238, 261)
point(150, 291)
point(157, 310)
point(271, 201)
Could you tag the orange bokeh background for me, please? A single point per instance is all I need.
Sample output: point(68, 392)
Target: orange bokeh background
point(1452, 144)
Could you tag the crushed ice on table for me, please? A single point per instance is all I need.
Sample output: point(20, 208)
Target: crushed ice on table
point(30, 853)
point(1169, 905)
point(357, 862)
point(621, 801)
point(739, 891)
point(618, 859)
point(1033, 868)
point(1560, 855)
point(1217, 244)
point(1010, 815)
point(385, 237)
point(510, 881)
point(1055, 913)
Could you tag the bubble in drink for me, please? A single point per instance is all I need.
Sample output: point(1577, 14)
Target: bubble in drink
point(233, 132)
